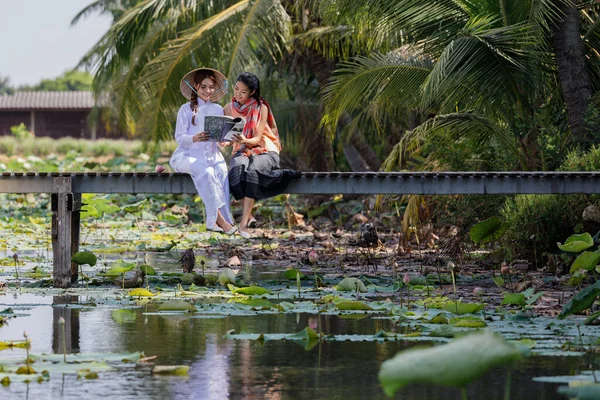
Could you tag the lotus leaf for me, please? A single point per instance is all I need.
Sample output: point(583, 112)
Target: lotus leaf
point(89, 357)
point(140, 292)
point(249, 291)
point(16, 344)
point(180, 370)
point(463, 308)
point(291, 274)
point(581, 301)
point(147, 269)
point(84, 257)
point(577, 243)
point(226, 276)
point(454, 364)
point(586, 260)
point(350, 284)
point(488, 231)
point(517, 299)
point(353, 305)
point(175, 305)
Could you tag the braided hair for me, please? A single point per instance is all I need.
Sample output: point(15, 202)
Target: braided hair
point(250, 80)
point(198, 78)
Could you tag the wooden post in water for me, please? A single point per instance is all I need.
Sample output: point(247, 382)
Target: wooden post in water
point(61, 231)
point(75, 233)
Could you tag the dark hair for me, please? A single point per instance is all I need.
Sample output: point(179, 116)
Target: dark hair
point(199, 76)
point(250, 80)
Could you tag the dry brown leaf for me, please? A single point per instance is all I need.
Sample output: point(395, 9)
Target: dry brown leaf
point(233, 262)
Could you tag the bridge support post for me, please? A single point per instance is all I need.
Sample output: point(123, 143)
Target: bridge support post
point(62, 222)
point(75, 233)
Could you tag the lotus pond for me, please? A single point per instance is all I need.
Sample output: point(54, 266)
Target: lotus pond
point(260, 319)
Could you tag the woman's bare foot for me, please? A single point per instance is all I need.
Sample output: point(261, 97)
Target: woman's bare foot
point(226, 226)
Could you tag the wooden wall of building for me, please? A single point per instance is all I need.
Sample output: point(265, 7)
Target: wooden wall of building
point(55, 124)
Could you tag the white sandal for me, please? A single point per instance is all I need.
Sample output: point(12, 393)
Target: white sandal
point(252, 223)
point(217, 229)
point(233, 230)
point(245, 234)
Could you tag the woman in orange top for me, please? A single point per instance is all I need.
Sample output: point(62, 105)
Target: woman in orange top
point(254, 171)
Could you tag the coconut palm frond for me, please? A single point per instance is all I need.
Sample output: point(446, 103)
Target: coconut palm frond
point(225, 39)
point(478, 128)
point(482, 66)
point(333, 42)
point(379, 78)
point(262, 35)
point(544, 13)
point(98, 6)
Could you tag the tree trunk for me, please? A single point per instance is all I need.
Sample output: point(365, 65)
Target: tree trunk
point(361, 144)
point(572, 71)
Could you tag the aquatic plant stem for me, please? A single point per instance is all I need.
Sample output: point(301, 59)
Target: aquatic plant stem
point(298, 284)
point(27, 360)
point(454, 287)
point(507, 386)
point(463, 393)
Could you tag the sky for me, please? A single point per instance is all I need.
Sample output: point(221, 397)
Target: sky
point(38, 42)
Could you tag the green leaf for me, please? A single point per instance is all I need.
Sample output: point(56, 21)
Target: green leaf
point(487, 231)
point(179, 370)
point(463, 308)
point(534, 298)
point(256, 304)
point(140, 292)
point(517, 299)
point(581, 301)
point(84, 257)
point(499, 281)
point(119, 268)
point(249, 290)
point(454, 364)
point(353, 305)
point(350, 284)
point(226, 276)
point(175, 305)
point(15, 344)
point(586, 260)
point(468, 322)
point(147, 269)
point(577, 243)
point(307, 334)
point(135, 207)
point(591, 318)
point(291, 274)
point(90, 357)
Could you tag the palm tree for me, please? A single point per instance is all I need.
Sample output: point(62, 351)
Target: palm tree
point(475, 68)
point(116, 8)
point(142, 57)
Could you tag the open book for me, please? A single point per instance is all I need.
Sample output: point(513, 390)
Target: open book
point(221, 128)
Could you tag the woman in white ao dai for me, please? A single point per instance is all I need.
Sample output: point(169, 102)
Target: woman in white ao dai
point(196, 156)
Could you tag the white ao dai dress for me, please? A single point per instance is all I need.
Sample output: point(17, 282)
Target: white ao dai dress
point(203, 161)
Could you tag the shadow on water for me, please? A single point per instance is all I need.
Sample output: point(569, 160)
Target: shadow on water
point(236, 369)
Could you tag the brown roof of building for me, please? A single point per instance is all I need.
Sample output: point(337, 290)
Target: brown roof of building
point(47, 101)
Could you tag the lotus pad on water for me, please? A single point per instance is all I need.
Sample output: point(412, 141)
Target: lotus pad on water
point(454, 364)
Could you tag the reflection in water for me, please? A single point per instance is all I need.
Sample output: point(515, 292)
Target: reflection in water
point(60, 309)
point(241, 369)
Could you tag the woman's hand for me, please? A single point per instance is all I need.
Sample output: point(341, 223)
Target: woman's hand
point(200, 137)
point(240, 138)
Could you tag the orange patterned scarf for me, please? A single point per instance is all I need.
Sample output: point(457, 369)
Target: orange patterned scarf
point(251, 112)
